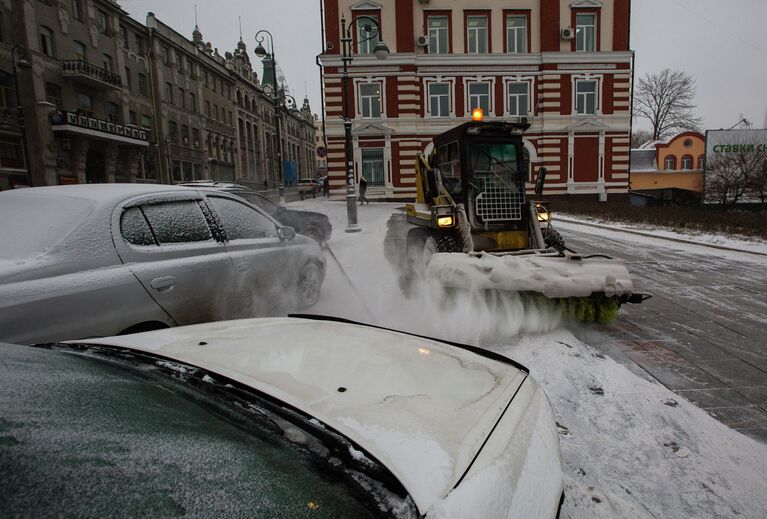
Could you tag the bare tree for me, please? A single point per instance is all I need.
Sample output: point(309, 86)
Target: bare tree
point(666, 100)
point(739, 170)
point(757, 184)
point(640, 137)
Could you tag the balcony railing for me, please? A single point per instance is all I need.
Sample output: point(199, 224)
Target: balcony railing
point(60, 120)
point(83, 69)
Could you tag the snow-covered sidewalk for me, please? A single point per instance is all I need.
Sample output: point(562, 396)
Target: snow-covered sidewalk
point(630, 446)
point(755, 245)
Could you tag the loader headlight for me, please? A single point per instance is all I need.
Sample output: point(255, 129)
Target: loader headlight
point(445, 221)
point(543, 215)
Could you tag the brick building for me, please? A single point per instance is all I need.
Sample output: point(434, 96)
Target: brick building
point(110, 99)
point(564, 65)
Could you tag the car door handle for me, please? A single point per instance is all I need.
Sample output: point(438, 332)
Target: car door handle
point(243, 267)
point(163, 284)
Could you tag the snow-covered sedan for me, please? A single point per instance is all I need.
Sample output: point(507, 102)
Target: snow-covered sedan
point(105, 259)
point(276, 417)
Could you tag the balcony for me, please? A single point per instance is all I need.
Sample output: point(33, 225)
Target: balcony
point(75, 123)
point(89, 74)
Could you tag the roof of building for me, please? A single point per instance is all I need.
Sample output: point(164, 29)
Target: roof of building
point(643, 160)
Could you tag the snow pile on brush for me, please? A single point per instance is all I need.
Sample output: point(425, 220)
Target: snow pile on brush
point(552, 275)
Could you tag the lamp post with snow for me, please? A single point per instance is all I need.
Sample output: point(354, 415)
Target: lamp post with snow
point(273, 93)
point(21, 63)
point(368, 26)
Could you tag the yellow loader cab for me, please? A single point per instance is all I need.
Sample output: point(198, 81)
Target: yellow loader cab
point(480, 166)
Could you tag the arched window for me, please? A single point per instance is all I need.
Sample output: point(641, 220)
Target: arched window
point(669, 164)
point(687, 162)
point(239, 98)
point(702, 162)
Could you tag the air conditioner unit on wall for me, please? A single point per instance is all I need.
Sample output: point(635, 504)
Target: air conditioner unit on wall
point(568, 33)
point(422, 41)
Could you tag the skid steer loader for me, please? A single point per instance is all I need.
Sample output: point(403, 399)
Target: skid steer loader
point(471, 228)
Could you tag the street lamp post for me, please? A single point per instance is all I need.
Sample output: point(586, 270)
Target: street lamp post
point(21, 63)
point(273, 92)
point(381, 51)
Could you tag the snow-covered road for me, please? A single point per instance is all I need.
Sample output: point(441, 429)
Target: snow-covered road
point(631, 447)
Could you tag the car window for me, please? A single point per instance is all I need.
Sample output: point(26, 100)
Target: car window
point(100, 438)
point(135, 229)
point(240, 221)
point(177, 222)
point(264, 203)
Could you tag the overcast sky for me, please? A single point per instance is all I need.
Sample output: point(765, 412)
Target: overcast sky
point(723, 44)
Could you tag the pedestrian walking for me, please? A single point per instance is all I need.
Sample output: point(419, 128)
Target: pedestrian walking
point(326, 186)
point(363, 190)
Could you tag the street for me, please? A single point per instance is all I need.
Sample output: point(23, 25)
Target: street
point(702, 333)
point(637, 435)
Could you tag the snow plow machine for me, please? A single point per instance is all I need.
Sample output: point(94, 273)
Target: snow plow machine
point(471, 229)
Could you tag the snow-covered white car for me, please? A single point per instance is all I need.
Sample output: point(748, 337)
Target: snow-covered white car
point(395, 424)
point(105, 259)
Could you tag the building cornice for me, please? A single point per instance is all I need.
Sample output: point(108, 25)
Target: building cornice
point(493, 60)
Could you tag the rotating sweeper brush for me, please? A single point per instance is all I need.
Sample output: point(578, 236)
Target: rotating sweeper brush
point(471, 229)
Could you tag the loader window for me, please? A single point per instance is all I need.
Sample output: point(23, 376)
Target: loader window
point(496, 186)
point(450, 167)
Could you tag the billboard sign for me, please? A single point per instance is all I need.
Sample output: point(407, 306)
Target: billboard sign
point(722, 142)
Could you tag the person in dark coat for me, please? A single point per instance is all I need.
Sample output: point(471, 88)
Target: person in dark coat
point(326, 186)
point(363, 190)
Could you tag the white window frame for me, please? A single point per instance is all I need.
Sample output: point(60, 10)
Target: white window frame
point(478, 31)
point(368, 46)
point(589, 31)
point(449, 94)
point(511, 35)
point(670, 159)
point(436, 34)
point(490, 84)
point(361, 99)
point(597, 95)
point(510, 105)
point(690, 165)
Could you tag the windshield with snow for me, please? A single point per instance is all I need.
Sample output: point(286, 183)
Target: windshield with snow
point(85, 436)
point(39, 223)
point(497, 185)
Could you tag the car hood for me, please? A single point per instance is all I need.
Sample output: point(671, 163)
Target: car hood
point(422, 408)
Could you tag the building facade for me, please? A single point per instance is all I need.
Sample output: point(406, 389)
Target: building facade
point(563, 65)
point(106, 98)
point(676, 163)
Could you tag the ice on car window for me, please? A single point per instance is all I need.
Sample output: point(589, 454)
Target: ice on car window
point(105, 439)
point(242, 222)
point(135, 228)
point(178, 222)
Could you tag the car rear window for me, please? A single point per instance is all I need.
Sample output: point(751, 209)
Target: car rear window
point(177, 222)
point(34, 225)
point(87, 437)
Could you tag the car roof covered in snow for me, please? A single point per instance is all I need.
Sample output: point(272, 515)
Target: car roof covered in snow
point(422, 408)
point(100, 193)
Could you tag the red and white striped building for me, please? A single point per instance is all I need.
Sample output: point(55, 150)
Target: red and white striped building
point(565, 65)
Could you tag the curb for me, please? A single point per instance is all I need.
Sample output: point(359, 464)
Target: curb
point(650, 235)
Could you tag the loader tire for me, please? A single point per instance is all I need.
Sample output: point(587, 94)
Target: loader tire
point(553, 239)
point(420, 246)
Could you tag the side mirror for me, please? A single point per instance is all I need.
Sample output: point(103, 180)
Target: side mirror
point(286, 233)
point(539, 182)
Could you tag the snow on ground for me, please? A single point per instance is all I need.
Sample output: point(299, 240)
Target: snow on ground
point(630, 447)
point(748, 244)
